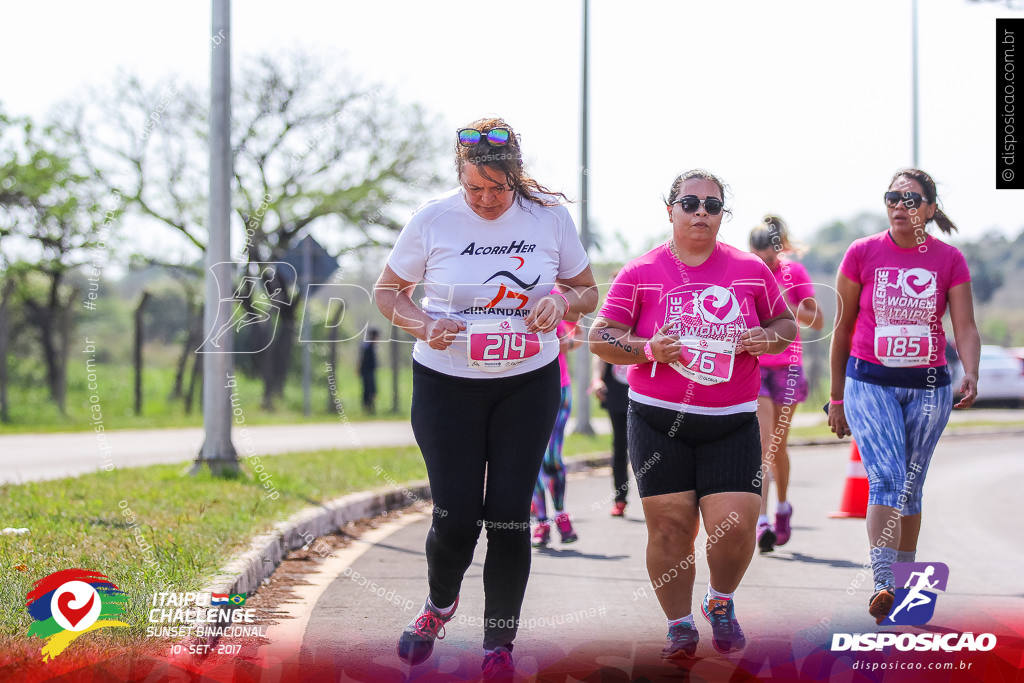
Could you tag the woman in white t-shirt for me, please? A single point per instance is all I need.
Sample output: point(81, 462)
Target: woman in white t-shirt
point(691, 317)
point(485, 369)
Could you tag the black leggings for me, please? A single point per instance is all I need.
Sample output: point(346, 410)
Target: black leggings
point(483, 441)
point(620, 461)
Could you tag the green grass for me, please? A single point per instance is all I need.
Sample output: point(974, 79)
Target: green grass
point(192, 523)
point(32, 409)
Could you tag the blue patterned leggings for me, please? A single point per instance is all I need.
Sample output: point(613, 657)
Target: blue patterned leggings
point(552, 469)
point(896, 430)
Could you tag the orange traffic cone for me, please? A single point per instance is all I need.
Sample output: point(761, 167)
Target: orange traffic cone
point(855, 495)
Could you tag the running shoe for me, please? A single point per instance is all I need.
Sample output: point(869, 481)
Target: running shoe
point(782, 529)
point(726, 632)
point(417, 640)
point(497, 664)
point(682, 642)
point(765, 538)
point(565, 528)
point(619, 509)
point(541, 535)
point(881, 604)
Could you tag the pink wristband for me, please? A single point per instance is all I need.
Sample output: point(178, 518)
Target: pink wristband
point(555, 291)
point(648, 352)
point(835, 403)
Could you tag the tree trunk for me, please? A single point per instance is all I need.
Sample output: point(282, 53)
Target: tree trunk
point(137, 351)
point(396, 365)
point(65, 317)
point(5, 297)
point(197, 373)
point(188, 348)
point(274, 360)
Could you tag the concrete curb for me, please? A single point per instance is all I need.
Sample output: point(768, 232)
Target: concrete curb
point(245, 573)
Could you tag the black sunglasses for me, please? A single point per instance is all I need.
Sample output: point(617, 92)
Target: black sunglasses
point(496, 137)
point(909, 199)
point(690, 203)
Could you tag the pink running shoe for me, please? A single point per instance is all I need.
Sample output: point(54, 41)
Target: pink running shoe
point(782, 529)
point(565, 528)
point(541, 535)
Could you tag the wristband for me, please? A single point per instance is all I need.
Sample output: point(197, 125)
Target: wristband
point(648, 352)
point(555, 291)
point(836, 403)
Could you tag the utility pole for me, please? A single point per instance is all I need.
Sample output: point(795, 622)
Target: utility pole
point(583, 425)
point(217, 451)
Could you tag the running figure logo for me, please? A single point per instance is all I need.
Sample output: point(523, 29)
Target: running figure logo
point(257, 300)
point(915, 601)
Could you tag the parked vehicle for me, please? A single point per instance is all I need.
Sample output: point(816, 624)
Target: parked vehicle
point(1000, 376)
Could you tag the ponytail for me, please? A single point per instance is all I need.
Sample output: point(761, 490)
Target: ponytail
point(942, 220)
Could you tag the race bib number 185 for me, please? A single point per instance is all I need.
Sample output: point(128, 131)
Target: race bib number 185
point(900, 346)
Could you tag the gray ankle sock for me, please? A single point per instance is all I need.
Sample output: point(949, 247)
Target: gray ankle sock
point(905, 555)
point(881, 564)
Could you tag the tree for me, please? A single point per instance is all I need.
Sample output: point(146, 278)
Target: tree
point(310, 149)
point(54, 215)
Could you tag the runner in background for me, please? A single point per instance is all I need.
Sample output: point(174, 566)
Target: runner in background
point(783, 385)
point(891, 387)
point(611, 388)
point(552, 470)
point(485, 374)
point(691, 317)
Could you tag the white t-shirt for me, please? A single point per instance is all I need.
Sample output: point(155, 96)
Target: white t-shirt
point(474, 269)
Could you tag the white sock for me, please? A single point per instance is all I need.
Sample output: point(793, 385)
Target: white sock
point(443, 611)
point(762, 519)
point(783, 507)
point(712, 593)
point(688, 619)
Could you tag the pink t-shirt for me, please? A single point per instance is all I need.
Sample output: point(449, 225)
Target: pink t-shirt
point(565, 329)
point(902, 298)
point(796, 286)
point(711, 304)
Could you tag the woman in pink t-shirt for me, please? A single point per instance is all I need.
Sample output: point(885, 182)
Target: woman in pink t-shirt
point(783, 385)
point(691, 317)
point(891, 388)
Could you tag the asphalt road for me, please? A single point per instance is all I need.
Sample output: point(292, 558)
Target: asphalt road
point(590, 604)
point(31, 457)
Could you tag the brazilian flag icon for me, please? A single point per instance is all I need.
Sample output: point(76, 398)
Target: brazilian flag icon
point(237, 599)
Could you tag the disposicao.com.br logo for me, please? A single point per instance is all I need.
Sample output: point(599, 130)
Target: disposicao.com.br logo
point(69, 603)
point(914, 605)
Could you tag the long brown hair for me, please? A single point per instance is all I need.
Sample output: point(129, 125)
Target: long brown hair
point(503, 162)
point(930, 195)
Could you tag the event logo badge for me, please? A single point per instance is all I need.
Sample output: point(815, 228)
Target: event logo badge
point(69, 603)
point(915, 601)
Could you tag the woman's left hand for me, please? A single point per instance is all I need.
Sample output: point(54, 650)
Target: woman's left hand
point(754, 341)
point(546, 315)
point(969, 388)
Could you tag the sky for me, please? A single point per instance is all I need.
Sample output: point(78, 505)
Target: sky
point(803, 108)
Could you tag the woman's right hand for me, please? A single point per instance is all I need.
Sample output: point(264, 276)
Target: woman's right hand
point(837, 420)
point(441, 332)
point(598, 389)
point(666, 348)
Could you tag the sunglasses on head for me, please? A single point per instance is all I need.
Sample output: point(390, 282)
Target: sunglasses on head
point(909, 199)
point(496, 137)
point(690, 203)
